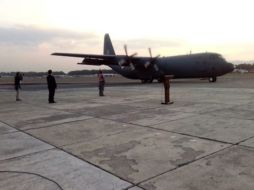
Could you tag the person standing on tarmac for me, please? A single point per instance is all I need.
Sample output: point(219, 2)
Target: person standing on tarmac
point(51, 81)
point(101, 83)
point(17, 85)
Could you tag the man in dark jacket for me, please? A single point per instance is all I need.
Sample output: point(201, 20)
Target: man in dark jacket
point(17, 86)
point(51, 86)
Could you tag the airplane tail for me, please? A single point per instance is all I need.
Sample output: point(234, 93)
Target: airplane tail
point(108, 47)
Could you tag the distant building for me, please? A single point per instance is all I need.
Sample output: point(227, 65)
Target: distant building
point(240, 71)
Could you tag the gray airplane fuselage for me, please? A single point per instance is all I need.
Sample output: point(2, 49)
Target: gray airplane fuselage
point(202, 65)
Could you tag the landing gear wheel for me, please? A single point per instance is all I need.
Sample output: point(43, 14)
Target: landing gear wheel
point(212, 79)
point(143, 81)
point(160, 80)
point(150, 80)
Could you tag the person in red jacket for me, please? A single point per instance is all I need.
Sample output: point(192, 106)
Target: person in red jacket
point(101, 83)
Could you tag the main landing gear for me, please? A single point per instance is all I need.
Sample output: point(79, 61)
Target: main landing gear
point(146, 81)
point(212, 79)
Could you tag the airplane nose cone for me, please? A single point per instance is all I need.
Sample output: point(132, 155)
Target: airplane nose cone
point(231, 67)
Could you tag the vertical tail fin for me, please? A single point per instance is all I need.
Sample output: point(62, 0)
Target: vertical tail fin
point(108, 47)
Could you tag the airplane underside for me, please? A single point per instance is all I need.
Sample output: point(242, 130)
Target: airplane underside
point(146, 76)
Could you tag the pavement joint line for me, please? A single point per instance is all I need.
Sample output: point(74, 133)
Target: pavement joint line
point(194, 115)
point(9, 125)
point(57, 125)
point(205, 112)
point(215, 110)
point(204, 138)
point(185, 134)
point(223, 117)
point(168, 131)
point(69, 111)
point(73, 155)
point(12, 132)
point(91, 117)
point(247, 146)
point(184, 164)
point(238, 143)
point(133, 187)
point(57, 109)
point(81, 141)
point(189, 135)
point(127, 188)
point(29, 154)
point(233, 107)
point(35, 174)
point(244, 104)
point(149, 108)
point(242, 109)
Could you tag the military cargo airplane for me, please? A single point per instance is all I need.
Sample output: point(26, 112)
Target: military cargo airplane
point(200, 65)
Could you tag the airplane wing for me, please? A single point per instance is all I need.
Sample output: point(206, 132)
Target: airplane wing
point(122, 60)
point(83, 55)
point(91, 59)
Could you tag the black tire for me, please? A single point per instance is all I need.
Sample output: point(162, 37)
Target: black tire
point(160, 80)
point(212, 79)
point(150, 80)
point(143, 81)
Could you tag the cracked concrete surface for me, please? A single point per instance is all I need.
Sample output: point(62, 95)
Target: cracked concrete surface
point(127, 139)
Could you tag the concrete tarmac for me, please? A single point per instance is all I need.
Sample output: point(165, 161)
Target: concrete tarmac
point(128, 139)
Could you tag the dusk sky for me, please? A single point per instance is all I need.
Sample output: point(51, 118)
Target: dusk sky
point(30, 30)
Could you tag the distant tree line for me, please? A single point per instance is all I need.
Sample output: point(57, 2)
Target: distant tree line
point(31, 74)
point(245, 66)
point(40, 74)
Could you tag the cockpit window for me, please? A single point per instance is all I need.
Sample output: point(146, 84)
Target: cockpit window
point(222, 58)
point(213, 56)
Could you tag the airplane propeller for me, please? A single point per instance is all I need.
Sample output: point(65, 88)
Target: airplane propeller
point(126, 52)
point(152, 60)
point(128, 58)
point(150, 52)
point(125, 49)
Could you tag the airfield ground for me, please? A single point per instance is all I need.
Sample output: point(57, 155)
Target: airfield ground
point(128, 139)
